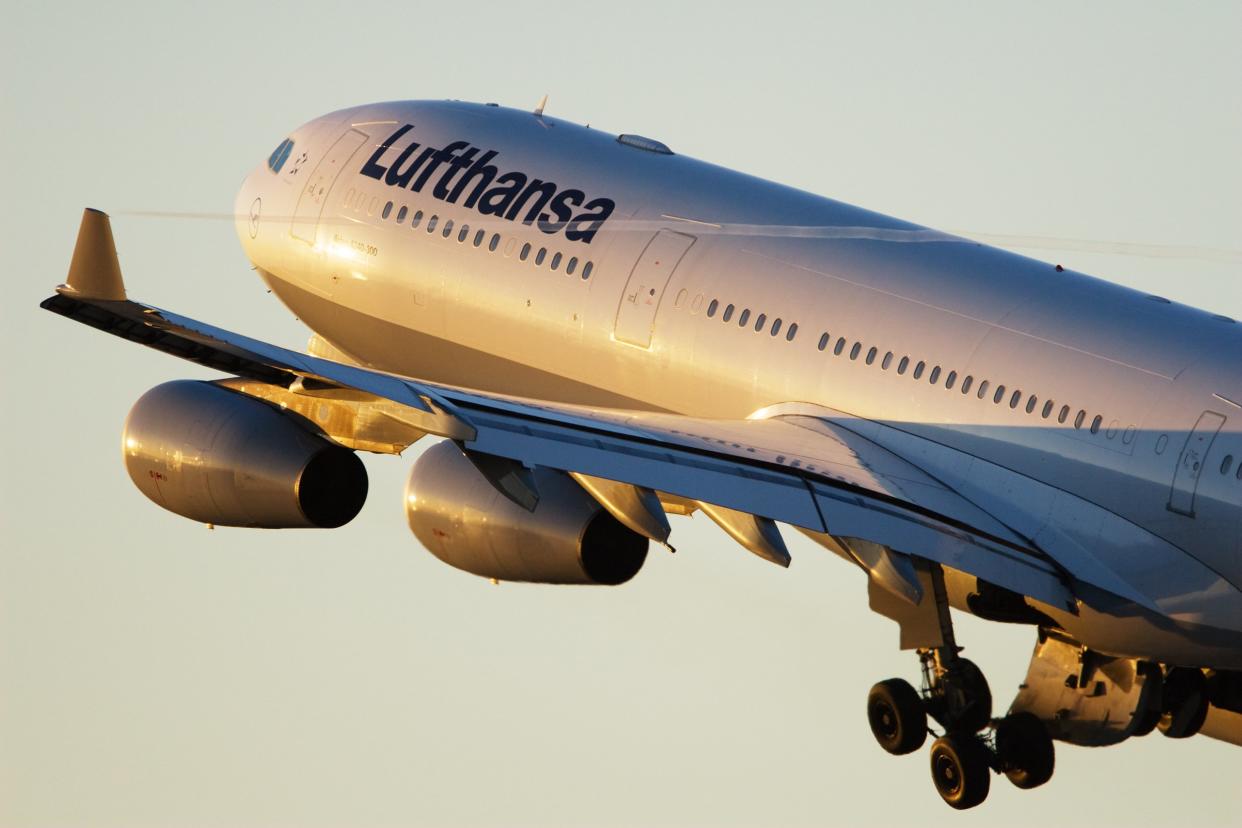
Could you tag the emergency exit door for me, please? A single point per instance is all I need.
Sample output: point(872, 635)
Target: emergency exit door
point(1190, 463)
point(318, 185)
point(641, 298)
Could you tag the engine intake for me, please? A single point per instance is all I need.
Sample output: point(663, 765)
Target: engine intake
point(468, 524)
point(218, 456)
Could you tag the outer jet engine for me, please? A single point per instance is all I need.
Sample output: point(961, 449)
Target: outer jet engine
point(218, 456)
point(567, 538)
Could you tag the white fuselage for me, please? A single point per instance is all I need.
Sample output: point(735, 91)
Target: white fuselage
point(1128, 403)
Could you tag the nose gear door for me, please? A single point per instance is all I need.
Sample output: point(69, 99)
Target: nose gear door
point(314, 195)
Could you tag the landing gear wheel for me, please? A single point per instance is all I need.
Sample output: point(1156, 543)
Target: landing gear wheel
point(959, 768)
point(975, 710)
point(898, 720)
point(1025, 750)
point(1150, 717)
point(1185, 703)
point(1147, 723)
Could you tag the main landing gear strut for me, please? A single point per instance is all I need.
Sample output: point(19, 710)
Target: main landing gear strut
point(955, 694)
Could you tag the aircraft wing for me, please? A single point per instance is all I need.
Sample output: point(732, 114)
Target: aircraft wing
point(809, 472)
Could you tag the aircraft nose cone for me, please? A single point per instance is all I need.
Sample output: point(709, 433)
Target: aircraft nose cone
point(248, 218)
point(256, 210)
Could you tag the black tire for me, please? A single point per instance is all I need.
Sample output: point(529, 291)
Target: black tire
point(896, 715)
point(1185, 703)
point(1025, 750)
point(1147, 722)
point(977, 714)
point(959, 768)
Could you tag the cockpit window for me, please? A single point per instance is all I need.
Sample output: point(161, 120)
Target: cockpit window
point(281, 154)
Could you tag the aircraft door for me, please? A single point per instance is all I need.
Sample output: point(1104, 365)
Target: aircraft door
point(645, 288)
point(314, 195)
point(1191, 462)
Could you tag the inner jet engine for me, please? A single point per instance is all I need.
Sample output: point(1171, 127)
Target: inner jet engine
point(217, 456)
point(466, 522)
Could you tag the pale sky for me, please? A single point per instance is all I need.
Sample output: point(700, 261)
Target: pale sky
point(155, 673)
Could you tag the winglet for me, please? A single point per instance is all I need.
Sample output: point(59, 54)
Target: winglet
point(95, 271)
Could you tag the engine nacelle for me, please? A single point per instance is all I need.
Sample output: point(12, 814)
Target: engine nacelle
point(468, 524)
point(218, 456)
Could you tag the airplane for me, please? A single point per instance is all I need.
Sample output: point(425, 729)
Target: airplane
point(605, 333)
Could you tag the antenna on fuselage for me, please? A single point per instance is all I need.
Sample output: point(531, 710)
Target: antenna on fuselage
point(539, 106)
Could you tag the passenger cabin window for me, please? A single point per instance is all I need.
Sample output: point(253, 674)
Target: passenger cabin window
point(792, 332)
point(401, 213)
point(823, 341)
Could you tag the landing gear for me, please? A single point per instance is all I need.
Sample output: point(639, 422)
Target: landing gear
point(955, 694)
point(897, 717)
point(960, 768)
point(958, 694)
point(1024, 749)
point(1184, 704)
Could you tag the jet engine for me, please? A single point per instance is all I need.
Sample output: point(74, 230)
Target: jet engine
point(218, 456)
point(466, 522)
